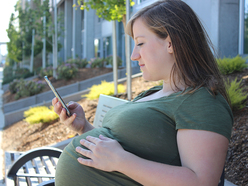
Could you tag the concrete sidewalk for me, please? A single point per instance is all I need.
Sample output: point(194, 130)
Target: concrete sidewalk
point(1, 126)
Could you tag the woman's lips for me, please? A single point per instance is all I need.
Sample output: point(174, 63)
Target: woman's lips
point(141, 65)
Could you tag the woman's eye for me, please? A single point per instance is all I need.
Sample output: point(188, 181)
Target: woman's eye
point(139, 44)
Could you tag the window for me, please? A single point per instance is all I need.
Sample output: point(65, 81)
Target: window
point(246, 28)
point(97, 47)
point(140, 1)
point(82, 19)
point(107, 46)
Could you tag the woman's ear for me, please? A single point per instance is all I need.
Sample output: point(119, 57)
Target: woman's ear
point(169, 45)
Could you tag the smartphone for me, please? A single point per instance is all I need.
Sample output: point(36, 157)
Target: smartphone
point(68, 113)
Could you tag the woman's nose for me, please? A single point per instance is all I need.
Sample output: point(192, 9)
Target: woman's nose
point(135, 55)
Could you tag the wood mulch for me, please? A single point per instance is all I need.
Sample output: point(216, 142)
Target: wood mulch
point(21, 136)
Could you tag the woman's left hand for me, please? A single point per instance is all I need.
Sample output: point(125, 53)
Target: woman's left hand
point(104, 153)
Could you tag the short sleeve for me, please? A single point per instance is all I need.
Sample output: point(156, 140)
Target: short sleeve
point(203, 111)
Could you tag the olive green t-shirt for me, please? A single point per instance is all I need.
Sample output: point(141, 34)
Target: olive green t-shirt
point(149, 130)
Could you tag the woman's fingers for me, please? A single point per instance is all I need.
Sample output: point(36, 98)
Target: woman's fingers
point(57, 107)
point(84, 152)
point(87, 143)
point(65, 119)
point(54, 101)
point(87, 162)
point(92, 139)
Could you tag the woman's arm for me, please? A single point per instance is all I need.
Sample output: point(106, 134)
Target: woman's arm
point(202, 155)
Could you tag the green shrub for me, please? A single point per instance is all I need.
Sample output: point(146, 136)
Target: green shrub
point(67, 71)
point(96, 62)
point(236, 94)
point(9, 74)
point(48, 71)
point(13, 86)
point(230, 65)
point(81, 63)
point(28, 88)
point(104, 88)
point(22, 73)
point(109, 60)
point(41, 114)
point(8, 71)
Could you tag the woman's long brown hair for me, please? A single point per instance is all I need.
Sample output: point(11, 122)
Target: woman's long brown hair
point(195, 63)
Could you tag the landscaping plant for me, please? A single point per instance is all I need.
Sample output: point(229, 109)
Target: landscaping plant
point(97, 62)
point(48, 71)
point(28, 88)
point(67, 71)
point(230, 65)
point(105, 88)
point(81, 63)
point(109, 60)
point(41, 114)
point(236, 94)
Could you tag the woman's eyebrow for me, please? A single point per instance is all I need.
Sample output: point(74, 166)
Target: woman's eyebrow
point(138, 37)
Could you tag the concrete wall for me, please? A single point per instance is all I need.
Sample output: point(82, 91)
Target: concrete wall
point(61, 25)
point(68, 29)
point(220, 18)
point(228, 28)
point(89, 34)
point(76, 36)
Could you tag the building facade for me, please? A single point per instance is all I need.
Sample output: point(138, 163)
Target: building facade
point(84, 35)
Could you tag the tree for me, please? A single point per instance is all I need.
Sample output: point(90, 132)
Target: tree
point(20, 37)
point(13, 46)
point(110, 10)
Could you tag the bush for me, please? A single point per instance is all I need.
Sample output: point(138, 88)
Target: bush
point(22, 73)
point(104, 88)
point(96, 62)
point(230, 65)
point(28, 88)
point(48, 71)
point(41, 114)
point(109, 60)
point(13, 86)
point(81, 63)
point(236, 94)
point(9, 74)
point(67, 71)
point(8, 71)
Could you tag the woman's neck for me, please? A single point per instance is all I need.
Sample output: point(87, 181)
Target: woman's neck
point(170, 88)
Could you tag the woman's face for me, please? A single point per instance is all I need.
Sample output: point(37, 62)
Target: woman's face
point(155, 55)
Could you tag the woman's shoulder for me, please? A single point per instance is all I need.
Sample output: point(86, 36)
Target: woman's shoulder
point(203, 100)
point(203, 94)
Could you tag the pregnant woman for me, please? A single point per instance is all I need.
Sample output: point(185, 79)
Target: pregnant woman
point(174, 134)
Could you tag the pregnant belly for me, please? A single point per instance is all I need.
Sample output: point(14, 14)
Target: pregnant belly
point(70, 172)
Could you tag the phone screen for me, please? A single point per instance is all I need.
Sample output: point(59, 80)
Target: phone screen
point(58, 96)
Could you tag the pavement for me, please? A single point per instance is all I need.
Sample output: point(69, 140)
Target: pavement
point(1, 127)
point(2, 182)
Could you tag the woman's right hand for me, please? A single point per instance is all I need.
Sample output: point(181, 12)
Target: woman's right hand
point(77, 120)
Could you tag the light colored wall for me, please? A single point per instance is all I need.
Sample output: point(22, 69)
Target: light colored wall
point(68, 30)
point(220, 18)
point(229, 28)
point(89, 34)
point(76, 36)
